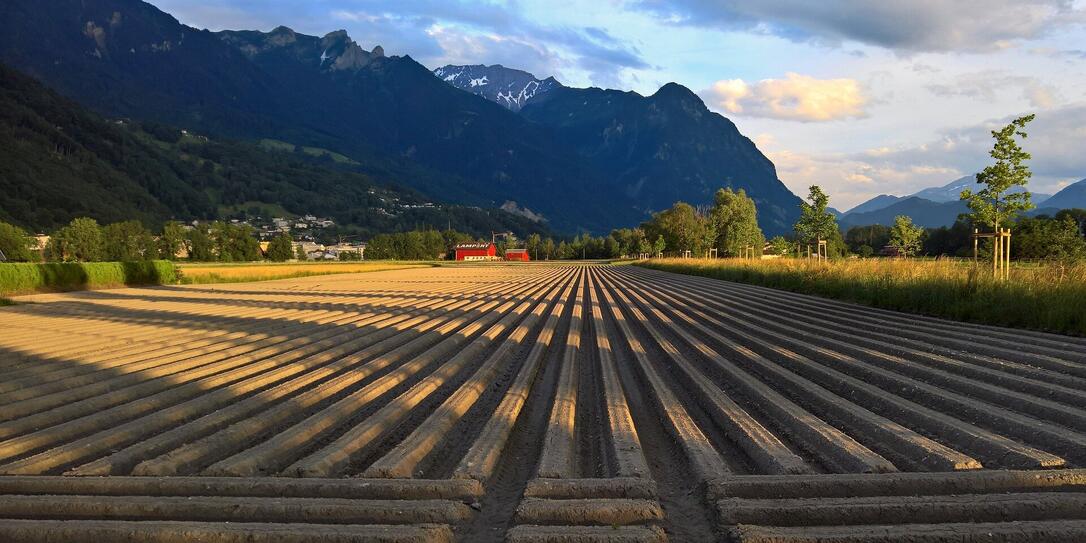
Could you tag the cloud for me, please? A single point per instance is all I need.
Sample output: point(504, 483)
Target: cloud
point(796, 97)
point(988, 84)
point(1056, 139)
point(460, 32)
point(436, 32)
point(920, 25)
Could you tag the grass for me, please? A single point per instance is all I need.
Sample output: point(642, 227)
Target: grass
point(27, 278)
point(1046, 297)
point(204, 273)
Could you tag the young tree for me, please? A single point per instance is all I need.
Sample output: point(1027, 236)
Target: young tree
point(15, 243)
point(171, 241)
point(815, 220)
point(992, 205)
point(80, 241)
point(906, 236)
point(280, 249)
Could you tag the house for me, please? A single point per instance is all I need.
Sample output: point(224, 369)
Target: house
point(359, 248)
point(476, 251)
point(517, 255)
point(892, 251)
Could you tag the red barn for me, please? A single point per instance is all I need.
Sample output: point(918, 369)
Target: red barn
point(476, 251)
point(519, 255)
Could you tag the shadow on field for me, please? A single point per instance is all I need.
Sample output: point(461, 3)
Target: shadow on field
point(106, 366)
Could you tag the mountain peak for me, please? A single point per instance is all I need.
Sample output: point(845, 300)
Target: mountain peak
point(507, 86)
point(282, 35)
point(674, 90)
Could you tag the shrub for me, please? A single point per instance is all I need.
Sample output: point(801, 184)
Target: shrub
point(24, 278)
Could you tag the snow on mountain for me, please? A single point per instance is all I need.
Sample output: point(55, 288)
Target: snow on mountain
point(506, 86)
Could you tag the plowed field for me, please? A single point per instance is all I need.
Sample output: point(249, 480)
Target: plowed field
point(529, 403)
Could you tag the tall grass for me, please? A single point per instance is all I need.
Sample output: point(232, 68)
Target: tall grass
point(1047, 297)
point(26, 278)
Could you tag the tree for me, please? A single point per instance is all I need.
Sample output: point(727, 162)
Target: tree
point(548, 249)
point(80, 241)
point(15, 243)
point(171, 241)
point(992, 205)
point(281, 248)
point(681, 228)
point(1043, 238)
point(734, 217)
point(906, 236)
point(299, 253)
point(535, 243)
point(780, 246)
point(201, 247)
point(658, 246)
point(350, 256)
point(815, 220)
point(874, 236)
point(234, 242)
point(128, 241)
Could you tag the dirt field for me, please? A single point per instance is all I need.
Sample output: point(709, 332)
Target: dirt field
point(203, 273)
point(528, 403)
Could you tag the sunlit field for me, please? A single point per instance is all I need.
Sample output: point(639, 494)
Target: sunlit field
point(1048, 297)
point(528, 403)
point(204, 273)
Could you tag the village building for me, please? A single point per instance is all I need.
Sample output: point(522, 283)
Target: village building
point(476, 251)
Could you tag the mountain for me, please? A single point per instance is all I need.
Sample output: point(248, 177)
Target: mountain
point(879, 202)
point(950, 192)
point(1071, 196)
point(125, 58)
point(662, 148)
point(506, 86)
point(59, 161)
point(579, 159)
point(923, 212)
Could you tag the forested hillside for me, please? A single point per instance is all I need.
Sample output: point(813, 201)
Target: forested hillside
point(59, 161)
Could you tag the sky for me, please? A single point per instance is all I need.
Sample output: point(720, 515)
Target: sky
point(860, 97)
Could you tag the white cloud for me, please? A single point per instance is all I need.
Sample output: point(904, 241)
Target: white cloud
point(1056, 139)
point(916, 25)
point(987, 85)
point(796, 97)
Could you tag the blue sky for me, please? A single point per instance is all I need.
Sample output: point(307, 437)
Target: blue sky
point(863, 98)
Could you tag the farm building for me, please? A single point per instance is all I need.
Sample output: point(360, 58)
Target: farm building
point(476, 251)
point(517, 255)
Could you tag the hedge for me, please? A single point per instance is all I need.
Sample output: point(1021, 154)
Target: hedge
point(26, 278)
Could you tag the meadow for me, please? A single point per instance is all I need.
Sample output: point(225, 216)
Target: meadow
point(1038, 296)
